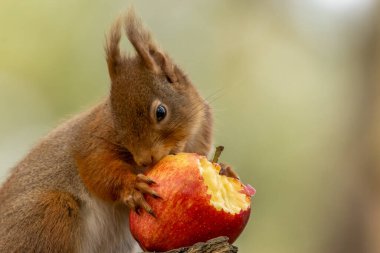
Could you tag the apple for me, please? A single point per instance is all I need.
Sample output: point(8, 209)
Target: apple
point(197, 204)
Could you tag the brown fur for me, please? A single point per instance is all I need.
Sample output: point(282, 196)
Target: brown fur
point(41, 222)
point(91, 162)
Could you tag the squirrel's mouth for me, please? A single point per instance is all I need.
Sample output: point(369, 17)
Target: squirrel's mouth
point(145, 161)
point(173, 152)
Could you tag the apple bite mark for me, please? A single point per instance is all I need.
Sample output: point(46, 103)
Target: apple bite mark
point(226, 192)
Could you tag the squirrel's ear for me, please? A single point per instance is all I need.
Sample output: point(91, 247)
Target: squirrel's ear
point(140, 38)
point(153, 58)
point(112, 49)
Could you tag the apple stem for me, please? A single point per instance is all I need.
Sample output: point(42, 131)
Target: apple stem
point(217, 154)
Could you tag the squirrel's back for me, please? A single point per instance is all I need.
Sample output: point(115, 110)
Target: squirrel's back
point(49, 163)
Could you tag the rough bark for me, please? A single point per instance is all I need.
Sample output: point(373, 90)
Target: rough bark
point(216, 245)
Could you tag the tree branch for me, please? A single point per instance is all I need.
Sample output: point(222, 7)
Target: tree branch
point(216, 245)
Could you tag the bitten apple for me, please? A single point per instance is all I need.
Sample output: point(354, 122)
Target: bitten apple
point(197, 204)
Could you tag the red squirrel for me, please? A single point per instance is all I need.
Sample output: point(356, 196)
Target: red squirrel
point(75, 188)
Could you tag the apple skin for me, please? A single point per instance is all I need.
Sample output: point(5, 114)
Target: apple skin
point(184, 214)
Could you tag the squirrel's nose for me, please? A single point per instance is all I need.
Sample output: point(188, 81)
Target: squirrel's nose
point(144, 161)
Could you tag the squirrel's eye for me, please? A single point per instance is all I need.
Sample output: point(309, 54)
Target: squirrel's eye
point(160, 113)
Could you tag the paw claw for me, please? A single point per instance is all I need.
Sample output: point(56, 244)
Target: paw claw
point(156, 196)
point(145, 179)
point(151, 212)
point(135, 195)
point(145, 188)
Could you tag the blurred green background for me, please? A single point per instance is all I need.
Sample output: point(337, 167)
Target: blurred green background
point(293, 85)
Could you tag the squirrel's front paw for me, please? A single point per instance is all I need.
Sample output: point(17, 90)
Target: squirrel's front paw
point(134, 196)
point(227, 170)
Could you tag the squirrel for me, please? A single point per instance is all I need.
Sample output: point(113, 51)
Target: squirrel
point(74, 190)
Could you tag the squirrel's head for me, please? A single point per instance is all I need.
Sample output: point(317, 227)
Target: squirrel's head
point(155, 107)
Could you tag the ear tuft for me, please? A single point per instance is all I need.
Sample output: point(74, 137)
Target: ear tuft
point(112, 49)
point(147, 50)
point(141, 39)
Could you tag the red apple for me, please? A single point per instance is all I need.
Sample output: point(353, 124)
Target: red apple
point(197, 204)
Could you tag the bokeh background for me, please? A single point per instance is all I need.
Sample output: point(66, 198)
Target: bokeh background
point(294, 86)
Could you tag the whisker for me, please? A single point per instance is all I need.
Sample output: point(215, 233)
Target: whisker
point(184, 120)
point(216, 93)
